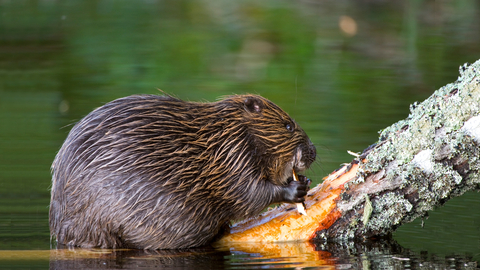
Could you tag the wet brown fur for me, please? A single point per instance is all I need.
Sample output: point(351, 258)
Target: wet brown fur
point(156, 172)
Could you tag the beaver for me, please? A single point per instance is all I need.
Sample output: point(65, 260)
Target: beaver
point(157, 172)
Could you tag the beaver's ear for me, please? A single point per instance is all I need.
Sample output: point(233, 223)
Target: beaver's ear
point(253, 104)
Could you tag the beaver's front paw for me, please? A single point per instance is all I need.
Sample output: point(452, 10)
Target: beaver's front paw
point(296, 190)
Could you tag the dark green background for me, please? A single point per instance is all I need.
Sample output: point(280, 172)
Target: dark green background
point(61, 59)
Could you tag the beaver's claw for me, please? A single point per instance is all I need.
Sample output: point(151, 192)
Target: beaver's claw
point(296, 190)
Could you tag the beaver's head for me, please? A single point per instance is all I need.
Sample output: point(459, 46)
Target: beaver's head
point(278, 143)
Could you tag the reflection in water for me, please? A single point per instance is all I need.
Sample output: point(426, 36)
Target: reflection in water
point(133, 259)
point(381, 254)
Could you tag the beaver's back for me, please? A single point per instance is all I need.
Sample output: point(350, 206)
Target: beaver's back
point(121, 163)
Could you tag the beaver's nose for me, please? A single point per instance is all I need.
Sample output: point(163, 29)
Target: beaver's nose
point(309, 153)
point(313, 151)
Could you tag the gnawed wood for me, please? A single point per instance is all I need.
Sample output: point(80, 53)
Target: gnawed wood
point(417, 164)
point(284, 223)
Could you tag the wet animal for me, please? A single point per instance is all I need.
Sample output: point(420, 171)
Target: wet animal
point(156, 172)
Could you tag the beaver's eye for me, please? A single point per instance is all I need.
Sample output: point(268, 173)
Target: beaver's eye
point(289, 127)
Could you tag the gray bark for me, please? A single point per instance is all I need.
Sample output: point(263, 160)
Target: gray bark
point(417, 164)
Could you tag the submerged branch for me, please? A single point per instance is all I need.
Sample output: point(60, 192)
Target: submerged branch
point(417, 164)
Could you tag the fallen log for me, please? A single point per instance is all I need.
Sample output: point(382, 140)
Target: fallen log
point(417, 164)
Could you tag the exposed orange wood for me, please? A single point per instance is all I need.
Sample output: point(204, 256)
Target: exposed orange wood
point(284, 223)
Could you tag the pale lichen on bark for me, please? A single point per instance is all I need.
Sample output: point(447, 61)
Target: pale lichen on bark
point(418, 163)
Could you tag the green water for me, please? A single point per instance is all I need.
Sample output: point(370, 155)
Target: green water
point(61, 59)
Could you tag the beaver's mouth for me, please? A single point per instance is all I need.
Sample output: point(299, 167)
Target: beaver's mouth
point(296, 165)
